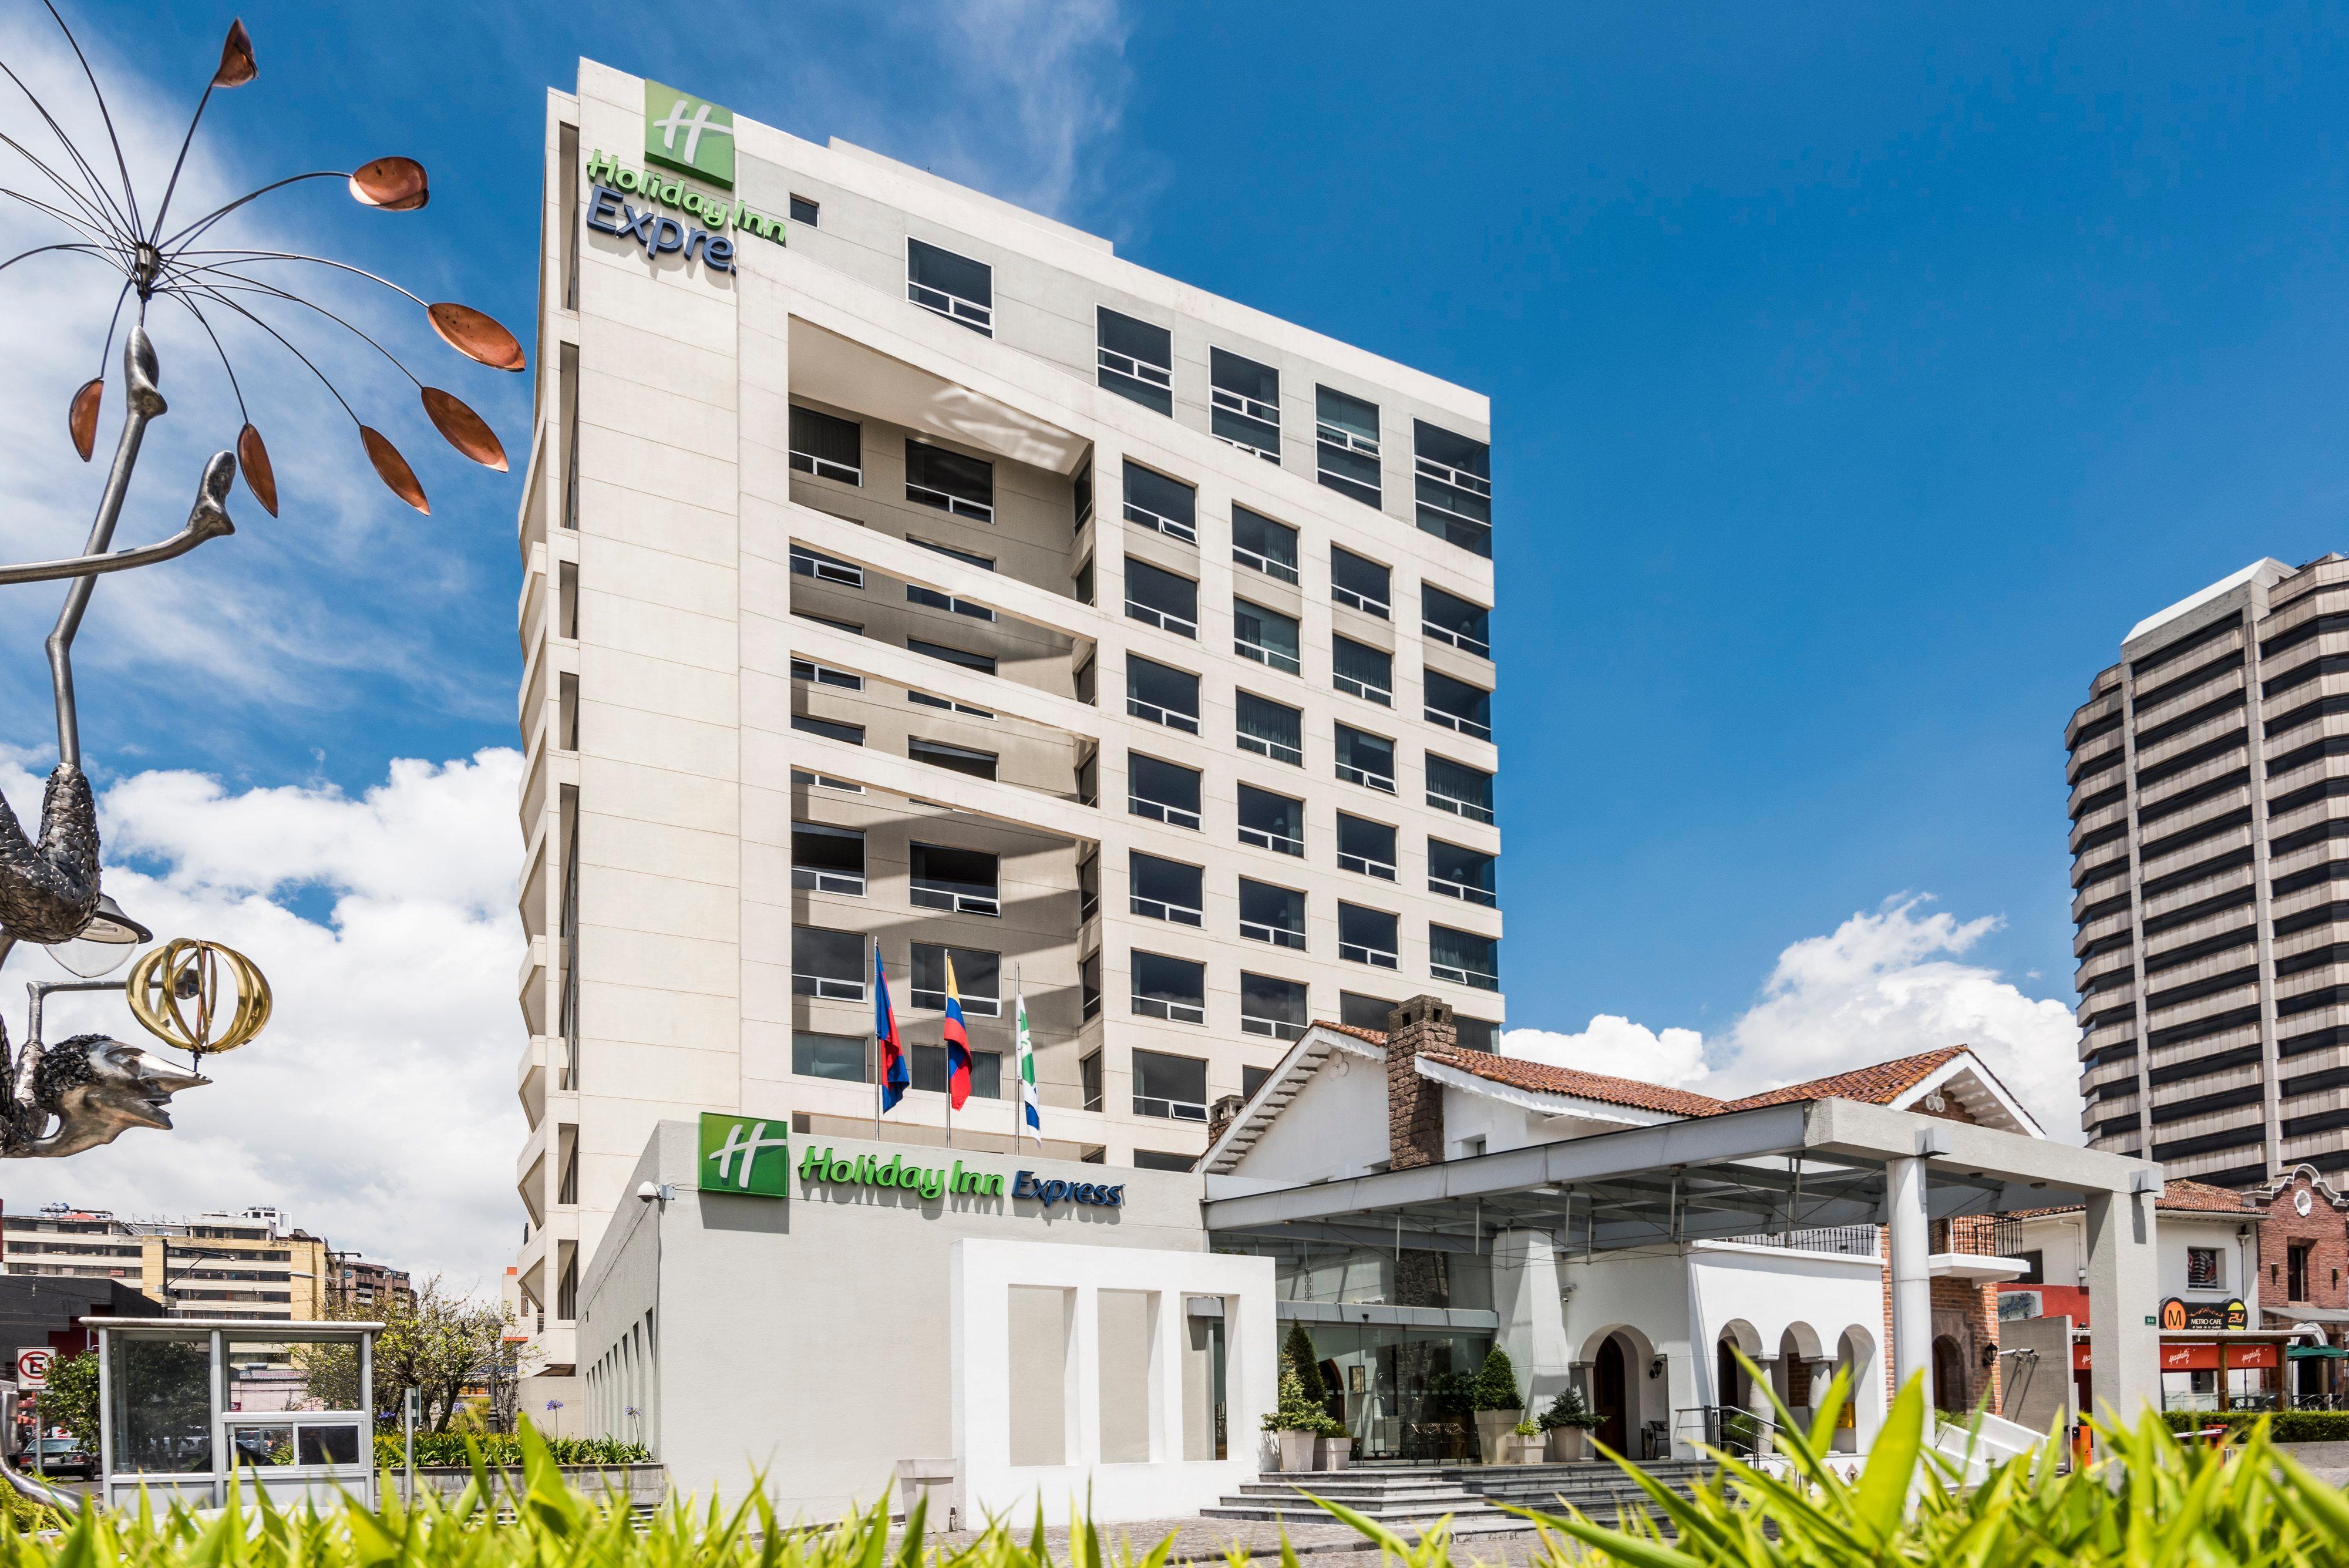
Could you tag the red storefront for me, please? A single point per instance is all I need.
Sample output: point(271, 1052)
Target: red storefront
point(2223, 1370)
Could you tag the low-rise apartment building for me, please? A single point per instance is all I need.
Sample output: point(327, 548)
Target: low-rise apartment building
point(250, 1265)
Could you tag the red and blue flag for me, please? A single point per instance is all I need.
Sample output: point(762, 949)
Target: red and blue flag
point(896, 1076)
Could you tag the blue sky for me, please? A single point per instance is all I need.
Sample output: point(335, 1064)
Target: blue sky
point(1859, 374)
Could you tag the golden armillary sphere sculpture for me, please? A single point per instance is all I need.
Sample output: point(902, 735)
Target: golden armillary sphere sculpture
point(58, 1099)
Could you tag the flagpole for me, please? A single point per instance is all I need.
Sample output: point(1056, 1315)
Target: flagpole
point(878, 1069)
point(1018, 1078)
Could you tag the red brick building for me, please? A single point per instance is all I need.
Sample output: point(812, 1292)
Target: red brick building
point(2304, 1276)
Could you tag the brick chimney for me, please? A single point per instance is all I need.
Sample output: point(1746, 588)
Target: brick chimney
point(1221, 1115)
point(1414, 1105)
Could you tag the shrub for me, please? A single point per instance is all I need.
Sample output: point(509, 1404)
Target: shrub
point(1569, 1410)
point(1299, 1354)
point(1296, 1413)
point(503, 1450)
point(2285, 1425)
point(1496, 1383)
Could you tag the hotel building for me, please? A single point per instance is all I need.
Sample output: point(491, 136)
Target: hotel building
point(2209, 775)
point(923, 577)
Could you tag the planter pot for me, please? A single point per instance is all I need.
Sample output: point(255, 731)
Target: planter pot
point(1333, 1453)
point(1530, 1450)
point(1496, 1431)
point(1297, 1451)
point(1568, 1445)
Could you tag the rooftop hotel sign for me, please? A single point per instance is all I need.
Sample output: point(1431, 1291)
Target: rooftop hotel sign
point(744, 1153)
point(688, 134)
point(692, 137)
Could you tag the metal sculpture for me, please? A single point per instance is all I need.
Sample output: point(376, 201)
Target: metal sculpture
point(85, 1091)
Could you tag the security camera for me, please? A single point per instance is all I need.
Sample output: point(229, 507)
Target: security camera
point(647, 1191)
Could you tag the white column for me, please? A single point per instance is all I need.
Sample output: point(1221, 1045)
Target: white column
point(1823, 1371)
point(2123, 1344)
point(1532, 1321)
point(1912, 1280)
point(1758, 1398)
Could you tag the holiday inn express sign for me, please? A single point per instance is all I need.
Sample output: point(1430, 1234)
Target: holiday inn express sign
point(692, 137)
point(750, 1155)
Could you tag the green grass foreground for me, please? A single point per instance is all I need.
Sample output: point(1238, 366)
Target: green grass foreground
point(2151, 1500)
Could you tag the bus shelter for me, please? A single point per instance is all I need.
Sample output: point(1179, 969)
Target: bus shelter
point(187, 1404)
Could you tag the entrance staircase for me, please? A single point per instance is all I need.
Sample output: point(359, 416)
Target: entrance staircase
point(1409, 1499)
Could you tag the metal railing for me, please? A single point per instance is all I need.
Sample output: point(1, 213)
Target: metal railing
point(1159, 811)
point(826, 467)
point(1265, 838)
point(1159, 909)
point(827, 988)
point(1368, 780)
point(1177, 1110)
point(1354, 687)
point(1459, 640)
point(947, 895)
point(1166, 716)
point(1360, 601)
point(1166, 525)
point(815, 880)
point(1849, 1241)
point(1474, 811)
point(1739, 1433)
point(1377, 958)
point(1462, 891)
point(1277, 658)
point(1459, 721)
point(946, 500)
point(1275, 1028)
point(1278, 936)
point(1177, 1012)
point(1473, 977)
point(1281, 570)
point(1366, 865)
point(953, 307)
point(806, 563)
point(1164, 620)
point(1133, 369)
point(1293, 756)
point(977, 1006)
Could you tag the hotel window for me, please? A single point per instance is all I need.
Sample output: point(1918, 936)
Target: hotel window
point(1083, 582)
point(1271, 821)
point(983, 663)
point(1089, 990)
point(1169, 988)
point(960, 759)
point(804, 210)
point(977, 979)
point(1168, 505)
point(1346, 445)
point(1361, 671)
point(1457, 705)
point(1366, 759)
point(1266, 636)
point(1165, 1085)
point(841, 1057)
point(826, 446)
point(956, 288)
point(1164, 792)
point(827, 859)
point(1465, 874)
point(1273, 1008)
point(848, 734)
point(1244, 403)
point(1366, 847)
point(929, 1065)
point(1082, 681)
point(816, 674)
point(806, 563)
point(1464, 957)
point(960, 881)
point(1368, 936)
point(1135, 359)
point(936, 600)
point(1089, 1071)
point(2295, 1270)
point(1263, 545)
point(1089, 781)
point(1166, 890)
point(1151, 1159)
point(1447, 618)
point(949, 480)
point(1088, 888)
point(2205, 1269)
point(1363, 1011)
point(1270, 914)
point(1269, 729)
point(1161, 598)
point(1454, 476)
point(1478, 1034)
point(1252, 1079)
point(1358, 582)
point(1459, 789)
point(828, 964)
point(1162, 695)
point(1082, 491)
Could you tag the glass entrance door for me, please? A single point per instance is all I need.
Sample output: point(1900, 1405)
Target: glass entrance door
point(1393, 1387)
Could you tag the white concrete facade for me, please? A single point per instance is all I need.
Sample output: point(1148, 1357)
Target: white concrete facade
point(675, 660)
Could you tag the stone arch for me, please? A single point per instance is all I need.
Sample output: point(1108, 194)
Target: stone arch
point(1859, 1354)
point(1799, 1350)
point(1620, 1350)
point(1732, 1387)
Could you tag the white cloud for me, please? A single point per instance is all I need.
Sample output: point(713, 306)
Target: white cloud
point(1883, 984)
point(1615, 1045)
point(377, 1107)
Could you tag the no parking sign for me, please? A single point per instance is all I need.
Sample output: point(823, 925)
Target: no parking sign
point(33, 1369)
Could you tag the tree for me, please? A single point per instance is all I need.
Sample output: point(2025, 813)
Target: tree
point(441, 1345)
point(1496, 1383)
point(1299, 1354)
point(71, 1399)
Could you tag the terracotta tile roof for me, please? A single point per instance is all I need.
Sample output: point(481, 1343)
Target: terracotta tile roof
point(1542, 1079)
point(1375, 1037)
point(2201, 1195)
point(1878, 1085)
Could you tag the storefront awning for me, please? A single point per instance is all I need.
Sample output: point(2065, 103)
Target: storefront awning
point(2316, 1352)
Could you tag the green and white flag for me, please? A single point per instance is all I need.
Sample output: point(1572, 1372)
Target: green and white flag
point(1026, 1053)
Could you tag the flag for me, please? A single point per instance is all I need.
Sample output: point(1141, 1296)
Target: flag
point(896, 1077)
point(958, 1040)
point(1027, 1056)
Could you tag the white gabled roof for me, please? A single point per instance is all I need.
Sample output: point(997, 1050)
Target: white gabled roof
point(1306, 1058)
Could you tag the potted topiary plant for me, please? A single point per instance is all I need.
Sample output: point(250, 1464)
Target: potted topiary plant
point(1335, 1448)
point(1568, 1421)
point(1296, 1423)
point(1498, 1406)
point(1530, 1443)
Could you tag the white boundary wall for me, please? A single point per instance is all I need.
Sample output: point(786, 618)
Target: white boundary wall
point(984, 1274)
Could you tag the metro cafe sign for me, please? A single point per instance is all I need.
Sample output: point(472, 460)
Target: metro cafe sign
point(691, 136)
point(750, 1155)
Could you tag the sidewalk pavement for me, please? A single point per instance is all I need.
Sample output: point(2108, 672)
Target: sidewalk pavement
point(1208, 1540)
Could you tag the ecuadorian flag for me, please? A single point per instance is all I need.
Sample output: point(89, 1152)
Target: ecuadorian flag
point(958, 1040)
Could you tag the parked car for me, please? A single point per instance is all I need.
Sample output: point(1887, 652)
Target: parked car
point(65, 1456)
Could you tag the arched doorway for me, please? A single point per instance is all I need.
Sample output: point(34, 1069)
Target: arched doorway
point(1949, 1375)
point(1609, 1398)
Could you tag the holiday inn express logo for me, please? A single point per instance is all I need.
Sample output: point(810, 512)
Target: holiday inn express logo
point(688, 134)
point(744, 1153)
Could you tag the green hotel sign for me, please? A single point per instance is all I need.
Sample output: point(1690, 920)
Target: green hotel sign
point(744, 1153)
point(688, 134)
